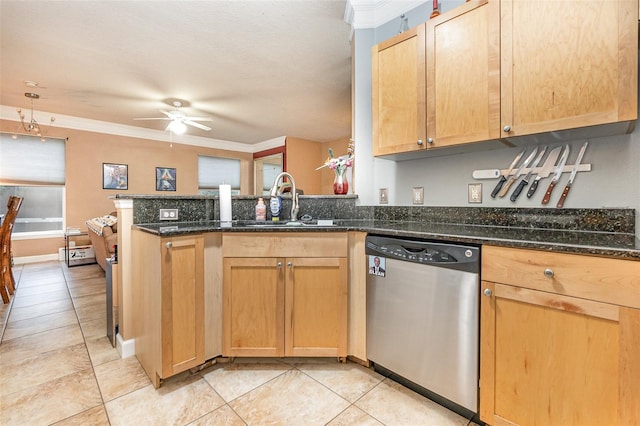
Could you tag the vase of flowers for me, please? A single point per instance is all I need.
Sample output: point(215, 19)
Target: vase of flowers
point(340, 183)
point(340, 165)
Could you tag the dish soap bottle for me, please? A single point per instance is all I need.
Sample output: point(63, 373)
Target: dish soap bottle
point(261, 210)
point(275, 205)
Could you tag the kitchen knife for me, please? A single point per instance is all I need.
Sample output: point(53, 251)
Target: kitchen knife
point(546, 170)
point(503, 178)
point(573, 176)
point(518, 172)
point(556, 176)
point(524, 182)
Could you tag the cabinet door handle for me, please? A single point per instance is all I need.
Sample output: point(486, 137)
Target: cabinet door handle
point(168, 245)
point(430, 140)
point(279, 265)
point(548, 273)
point(419, 142)
point(507, 128)
point(487, 292)
point(289, 264)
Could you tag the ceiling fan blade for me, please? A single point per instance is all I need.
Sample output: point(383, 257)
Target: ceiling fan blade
point(198, 125)
point(154, 118)
point(199, 118)
point(170, 114)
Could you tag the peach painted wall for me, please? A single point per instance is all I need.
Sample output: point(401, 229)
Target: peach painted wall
point(85, 153)
point(304, 156)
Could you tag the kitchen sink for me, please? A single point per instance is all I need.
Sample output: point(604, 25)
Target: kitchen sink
point(285, 224)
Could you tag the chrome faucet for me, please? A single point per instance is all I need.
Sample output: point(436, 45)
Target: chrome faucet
point(295, 205)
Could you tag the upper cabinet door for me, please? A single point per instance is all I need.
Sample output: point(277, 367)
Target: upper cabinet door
point(463, 75)
point(567, 64)
point(398, 93)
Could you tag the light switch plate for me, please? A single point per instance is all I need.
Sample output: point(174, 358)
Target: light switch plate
point(418, 195)
point(384, 195)
point(475, 193)
point(168, 214)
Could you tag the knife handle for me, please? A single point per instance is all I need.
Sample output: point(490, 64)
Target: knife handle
point(518, 190)
point(547, 195)
point(506, 186)
point(532, 188)
point(498, 186)
point(563, 196)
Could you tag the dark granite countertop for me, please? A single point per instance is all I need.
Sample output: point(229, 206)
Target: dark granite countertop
point(605, 244)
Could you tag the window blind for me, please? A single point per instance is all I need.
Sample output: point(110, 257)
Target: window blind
point(214, 171)
point(27, 160)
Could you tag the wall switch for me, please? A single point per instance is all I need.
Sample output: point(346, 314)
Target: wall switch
point(384, 195)
point(418, 195)
point(475, 193)
point(168, 214)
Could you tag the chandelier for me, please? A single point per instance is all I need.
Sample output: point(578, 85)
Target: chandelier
point(32, 125)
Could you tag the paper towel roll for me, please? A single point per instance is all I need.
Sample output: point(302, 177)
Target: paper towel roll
point(225, 205)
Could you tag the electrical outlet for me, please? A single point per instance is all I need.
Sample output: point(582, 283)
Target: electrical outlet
point(384, 195)
point(168, 214)
point(418, 195)
point(475, 193)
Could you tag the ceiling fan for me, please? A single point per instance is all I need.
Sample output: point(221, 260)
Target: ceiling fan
point(179, 120)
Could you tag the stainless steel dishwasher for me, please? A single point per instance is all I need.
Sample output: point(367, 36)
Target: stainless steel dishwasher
point(423, 317)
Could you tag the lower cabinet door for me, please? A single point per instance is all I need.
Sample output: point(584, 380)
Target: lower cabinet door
point(316, 307)
point(182, 304)
point(556, 360)
point(253, 307)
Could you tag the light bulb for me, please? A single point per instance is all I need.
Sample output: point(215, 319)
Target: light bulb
point(178, 127)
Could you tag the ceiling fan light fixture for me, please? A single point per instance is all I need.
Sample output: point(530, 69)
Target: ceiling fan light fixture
point(177, 127)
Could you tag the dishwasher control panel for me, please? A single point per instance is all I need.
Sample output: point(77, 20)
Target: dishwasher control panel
point(424, 252)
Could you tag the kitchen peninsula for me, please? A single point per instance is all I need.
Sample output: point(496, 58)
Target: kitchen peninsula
point(570, 268)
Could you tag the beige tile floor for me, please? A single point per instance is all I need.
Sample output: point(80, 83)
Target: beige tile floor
point(58, 367)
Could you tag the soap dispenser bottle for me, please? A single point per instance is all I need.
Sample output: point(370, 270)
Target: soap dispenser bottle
point(261, 210)
point(275, 205)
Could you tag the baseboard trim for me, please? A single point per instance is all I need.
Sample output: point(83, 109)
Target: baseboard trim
point(34, 259)
point(126, 348)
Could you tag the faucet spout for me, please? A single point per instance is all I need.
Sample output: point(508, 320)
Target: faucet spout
point(295, 206)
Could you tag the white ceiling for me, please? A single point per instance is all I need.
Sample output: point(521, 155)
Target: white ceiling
point(261, 69)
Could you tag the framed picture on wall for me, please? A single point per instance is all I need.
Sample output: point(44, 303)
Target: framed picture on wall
point(165, 179)
point(115, 176)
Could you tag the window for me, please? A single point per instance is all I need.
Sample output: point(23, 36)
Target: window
point(215, 171)
point(34, 170)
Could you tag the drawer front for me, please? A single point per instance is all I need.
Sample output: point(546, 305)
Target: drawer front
point(285, 244)
point(594, 278)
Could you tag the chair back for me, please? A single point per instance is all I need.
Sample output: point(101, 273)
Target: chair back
point(13, 207)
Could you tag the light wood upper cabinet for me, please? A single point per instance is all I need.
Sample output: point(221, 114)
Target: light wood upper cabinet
point(463, 75)
point(567, 64)
point(277, 303)
point(398, 93)
point(169, 299)
point(559, 339)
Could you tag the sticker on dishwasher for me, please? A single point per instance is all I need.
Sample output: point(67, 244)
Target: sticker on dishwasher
point(377, 265)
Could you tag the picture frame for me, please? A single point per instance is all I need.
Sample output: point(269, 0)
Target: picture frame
point(165, 179)
point(115, 176)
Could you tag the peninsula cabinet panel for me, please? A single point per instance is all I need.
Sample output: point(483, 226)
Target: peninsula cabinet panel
point(463, 75)
point(567, 64)
point(169, 298)
point(398, 93)
point(550, 358)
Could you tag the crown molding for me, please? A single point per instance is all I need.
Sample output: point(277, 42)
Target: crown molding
point(69, 122)
point(362, 14)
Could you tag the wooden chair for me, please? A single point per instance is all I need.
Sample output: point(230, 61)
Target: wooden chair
point(7, 281)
